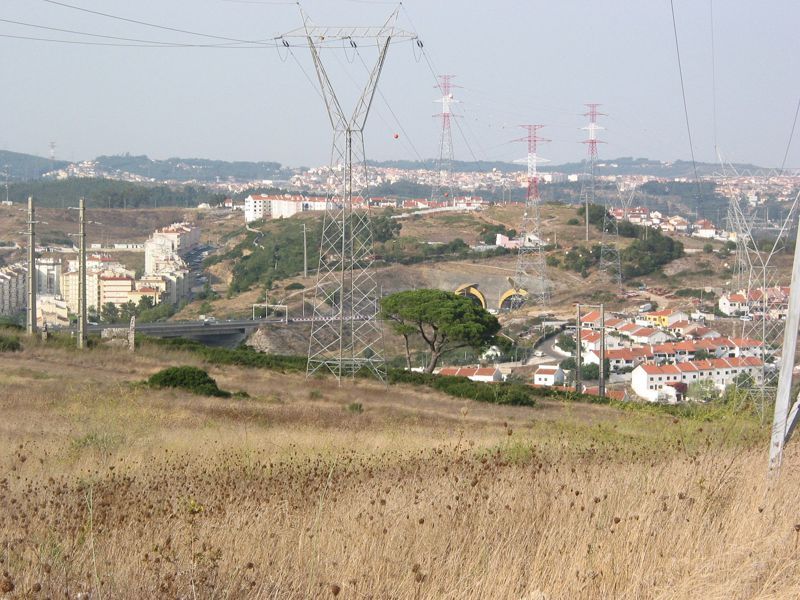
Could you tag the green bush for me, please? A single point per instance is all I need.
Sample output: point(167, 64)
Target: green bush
point(9, 344)
point(191, 379)
point(295, 285)
point(242, 357)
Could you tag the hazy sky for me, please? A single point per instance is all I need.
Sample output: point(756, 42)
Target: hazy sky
point(517, 62)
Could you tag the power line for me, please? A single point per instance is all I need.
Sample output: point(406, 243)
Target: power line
point(683, 94)
point(106, 44)
point(791, 136)
point(146, 24)
point(406, 137)
point(111, 37)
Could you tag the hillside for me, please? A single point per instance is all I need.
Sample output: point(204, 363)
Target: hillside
point(307, 490)
point(191, 169)
point(27, 166)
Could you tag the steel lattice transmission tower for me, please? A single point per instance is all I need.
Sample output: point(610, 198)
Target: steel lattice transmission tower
point(443, 189)
point(530, 282)
point(346, 334)
point(610, 262)
point(588, 190)
point(756, 278)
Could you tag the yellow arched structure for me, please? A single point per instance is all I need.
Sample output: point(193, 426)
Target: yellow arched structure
point(507, 297)
point(470, 290)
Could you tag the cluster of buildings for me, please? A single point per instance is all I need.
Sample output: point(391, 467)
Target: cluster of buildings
point(702, 228)
point(666, 352)
point(166, 278)
point(766, 303)
point(281, 206)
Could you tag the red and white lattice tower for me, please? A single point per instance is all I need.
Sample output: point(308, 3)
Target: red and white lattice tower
point(530, 282)
point(443, 189)
point(588, 191)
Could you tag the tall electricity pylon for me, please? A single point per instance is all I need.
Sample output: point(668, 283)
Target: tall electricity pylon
point(346, 334)
point(443, 189)
point(530, 282)
point(588, 188)
point(610, 262)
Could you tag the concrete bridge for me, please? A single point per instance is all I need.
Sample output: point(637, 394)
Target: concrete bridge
point(211, 333)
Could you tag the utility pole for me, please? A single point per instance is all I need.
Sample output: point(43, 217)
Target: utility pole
point(82, 275)
point(30, 324)
point(578, 351)
point(305, 253)
point(602, 386)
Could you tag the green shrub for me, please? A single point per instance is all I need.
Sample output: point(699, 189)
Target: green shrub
point(355, 407)
point(9, 344)
point(573, 221)
point(516, 394)
point(191, 379)
point(295, 285)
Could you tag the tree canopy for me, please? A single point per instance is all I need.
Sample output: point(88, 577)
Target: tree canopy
point(443, 321)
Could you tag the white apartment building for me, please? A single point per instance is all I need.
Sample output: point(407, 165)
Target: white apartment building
point(283, 207)
point(256, 207)
point(658, 382)
point(280, 207)
point(13, 289)
point(48, 276)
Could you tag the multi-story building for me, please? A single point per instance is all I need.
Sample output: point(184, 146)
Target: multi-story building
point(115, 289)
point(256, 207)
point(280, 207)
point(13, 287)
point(48, 276)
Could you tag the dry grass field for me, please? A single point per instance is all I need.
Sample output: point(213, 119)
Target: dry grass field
point(110, 489)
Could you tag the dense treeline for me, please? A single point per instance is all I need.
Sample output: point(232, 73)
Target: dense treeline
point(107, 193)
point(191, 169)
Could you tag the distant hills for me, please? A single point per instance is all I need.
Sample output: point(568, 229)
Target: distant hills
point(625, 165)
point(191, 169)
point(26, 167)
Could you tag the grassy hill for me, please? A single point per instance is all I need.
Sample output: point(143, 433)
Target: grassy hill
point(304, 489)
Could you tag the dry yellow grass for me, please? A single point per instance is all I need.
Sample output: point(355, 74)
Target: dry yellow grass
point(112, 490)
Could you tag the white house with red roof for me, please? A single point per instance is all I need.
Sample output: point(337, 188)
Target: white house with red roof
point(733, 304)
point(621, 358)
point(484, 374)
point(591, 319)
point(649, 335)
point(704, 229)
point(548, 375)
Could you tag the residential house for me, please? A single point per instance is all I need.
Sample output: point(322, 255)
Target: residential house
point(548, 375)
